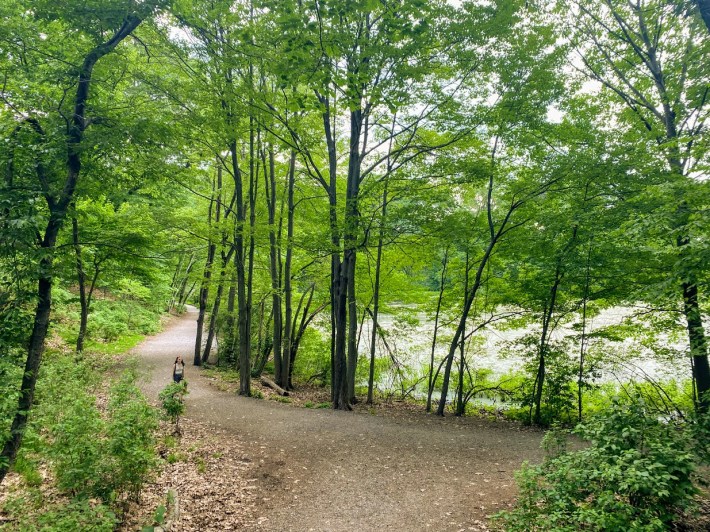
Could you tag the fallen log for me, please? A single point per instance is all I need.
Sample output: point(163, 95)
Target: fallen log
point(271, 384)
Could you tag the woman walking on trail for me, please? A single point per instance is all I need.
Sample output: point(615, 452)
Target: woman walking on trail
point(178, 369)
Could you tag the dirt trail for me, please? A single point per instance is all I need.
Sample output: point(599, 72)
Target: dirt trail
point(342, 471)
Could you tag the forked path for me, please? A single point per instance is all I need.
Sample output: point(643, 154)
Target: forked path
point(343, 471)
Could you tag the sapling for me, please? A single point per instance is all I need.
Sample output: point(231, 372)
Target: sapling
point(173, 401)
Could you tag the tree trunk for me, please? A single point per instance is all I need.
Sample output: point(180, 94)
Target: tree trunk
point(347, 270)
point(205, 287)
point(180, 297)
point(352, 331)
point(582, 345)
point(335, 262)
point(270, 193)
point(460, 410)
point(495, 236)
point(288, 289)
point(212, 328)
point(376, 294)
point(246, 340)
point(242, 304)
point(297, 333)
point(442, 283)
point(81, 278)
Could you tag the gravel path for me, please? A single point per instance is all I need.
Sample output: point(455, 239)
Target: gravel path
point(343, 471)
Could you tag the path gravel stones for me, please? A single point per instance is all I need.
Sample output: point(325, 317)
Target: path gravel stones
point(324, 470)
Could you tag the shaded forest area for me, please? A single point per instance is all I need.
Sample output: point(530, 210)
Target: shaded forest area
point(326, 179)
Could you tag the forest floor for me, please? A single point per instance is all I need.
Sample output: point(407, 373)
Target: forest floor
point(251, 464)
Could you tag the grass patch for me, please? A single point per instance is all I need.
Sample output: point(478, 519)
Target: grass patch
point(175, 457)
point(280, 399)
point(121, 345)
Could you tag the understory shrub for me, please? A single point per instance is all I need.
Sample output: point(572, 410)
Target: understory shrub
point(130, 437)
point(77, 448)
point(635, 474)
point(172, 399)
point(80, 514)
point(108, 320)
point(97, 457)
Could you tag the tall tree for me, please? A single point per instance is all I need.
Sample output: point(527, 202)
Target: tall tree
point(644, 57)
point(96, 34)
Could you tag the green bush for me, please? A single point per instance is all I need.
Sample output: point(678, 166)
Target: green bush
point(172, 399)
point(93, 455)
point(131, 437)
point(80, 514)
point(634, 475)
point(109, 320)
point(77, 451)
point(107, 323)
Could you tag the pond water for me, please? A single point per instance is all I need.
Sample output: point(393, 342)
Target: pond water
point(494, 349)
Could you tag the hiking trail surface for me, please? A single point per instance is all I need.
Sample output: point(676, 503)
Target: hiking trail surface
point(319, 469)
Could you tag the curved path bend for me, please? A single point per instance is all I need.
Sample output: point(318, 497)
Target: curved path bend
point(326, 470)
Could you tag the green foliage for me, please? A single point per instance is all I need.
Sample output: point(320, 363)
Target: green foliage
point(77, 450)
point(280, 399)
point(27, 467)
point(257, 394)
point(158, 519)
point(93, 456)
point(635, 474)
point(80, 514)
point(313, 355)
point(110, 320)
point(172, 399)
point(31, 512)
point(131, 437)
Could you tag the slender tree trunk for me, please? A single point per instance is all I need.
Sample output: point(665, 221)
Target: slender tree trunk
point(376, 296)
point(243, 332)
point(180, 298)
point(57, 213)
point(253, 189)
point(462, 349)
point(187, 294)
point(347, 270)
point(297, 334)
point(547, 314)
point(442, 285)
point(288, 289)
point(693, 315)
point(175, 283)
point(337, 315)
point(206, 278)
point(352, 331)
point(495, 236)
point(270, 193)
point(211, 329)
point(81, 278)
